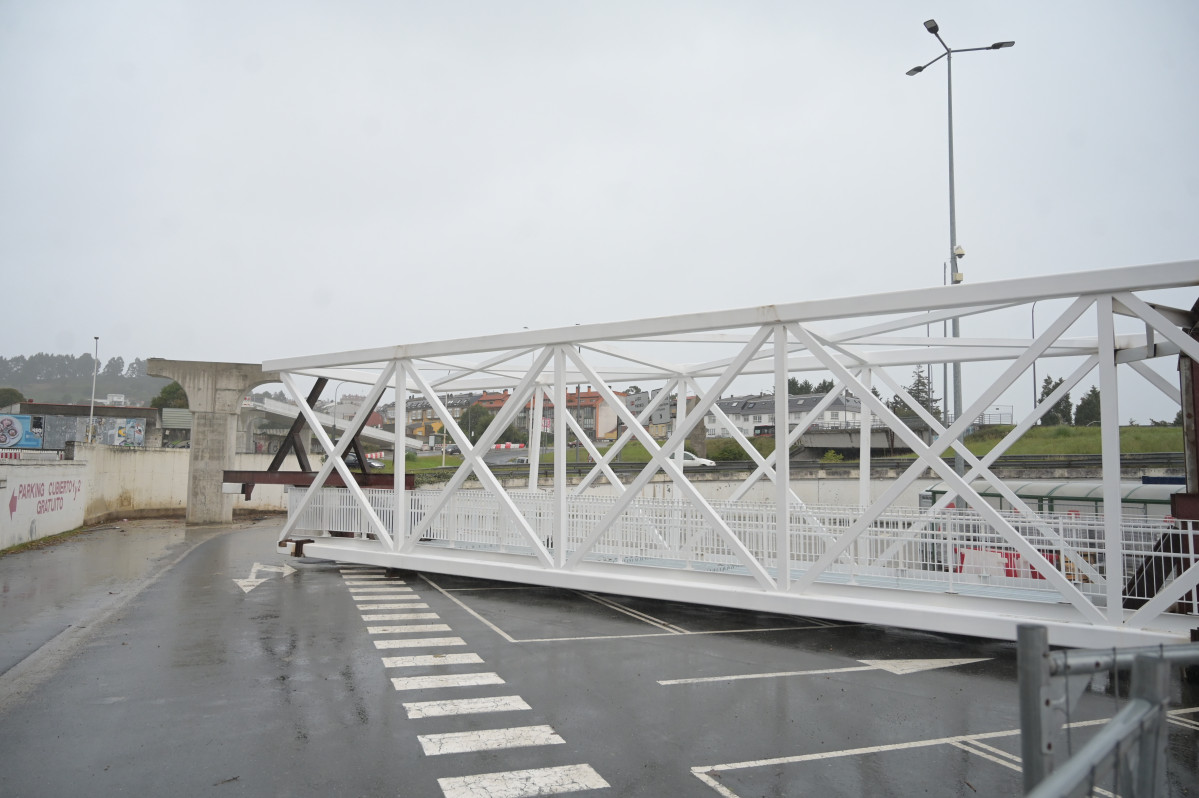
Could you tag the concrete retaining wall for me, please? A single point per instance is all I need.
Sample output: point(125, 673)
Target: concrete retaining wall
point(126, 483)
point(40, 499)
point(104, 483)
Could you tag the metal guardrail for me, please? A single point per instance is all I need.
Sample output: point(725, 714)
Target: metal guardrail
point(1130, 749)
point(1137, 460)
point(1029, 461)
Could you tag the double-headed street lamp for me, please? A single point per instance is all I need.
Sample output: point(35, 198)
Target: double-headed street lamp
point(955, 251)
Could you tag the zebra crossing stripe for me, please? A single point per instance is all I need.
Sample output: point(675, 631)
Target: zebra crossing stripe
point(431, 659)
point(446, 680)
point(508, 784)
point(412, 627)
point(488, 740)
point(417, 642)
point(464, 706)
point(403, 616)
point(393, 606)
point(524, 783)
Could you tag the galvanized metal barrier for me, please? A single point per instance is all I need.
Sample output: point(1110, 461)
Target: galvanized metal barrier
point(1130, 751)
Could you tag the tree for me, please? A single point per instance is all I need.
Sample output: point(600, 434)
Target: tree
point(170, 396)
point(474, 421)
point(921, 392)
point(136, 369)
point(85, 364)
point(1060, 412)
point(632, 389)
point(825, 387)
point(795, 388)
point(1178, 419)
point(10, 396)
point(115, 367)
point(1087, 412)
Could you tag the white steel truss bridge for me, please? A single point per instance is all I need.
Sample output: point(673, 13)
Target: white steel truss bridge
point(960, 566)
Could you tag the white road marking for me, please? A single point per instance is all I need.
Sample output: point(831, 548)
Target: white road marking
point(418, 642)
point(524, 783)
point(403, 616)
point(431, 659)
point(359, 590)
point(253, 581)
point(368, 607)
point(668, 634)
point(715, 785)
point(814, 624)
point(481, 619)
point(632, 613)
point(900, 667)
point(971, 743)
point(703, 679)
point(875, 749)
point(375, 582)
point(446, 680)
point(481, 589)
point(412, 627)
point(488, 740)
point(465, 706)
point(970, 749)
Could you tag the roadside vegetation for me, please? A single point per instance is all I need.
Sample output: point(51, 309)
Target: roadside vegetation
point(1039, 440)
point(1078, 440)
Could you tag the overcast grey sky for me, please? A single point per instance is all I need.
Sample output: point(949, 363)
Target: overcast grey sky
point(218, 180)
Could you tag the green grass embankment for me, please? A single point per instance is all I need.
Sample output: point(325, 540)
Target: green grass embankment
point(1078, 440)
point(1038, 440)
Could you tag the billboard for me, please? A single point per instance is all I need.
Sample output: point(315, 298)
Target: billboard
point(20, 432)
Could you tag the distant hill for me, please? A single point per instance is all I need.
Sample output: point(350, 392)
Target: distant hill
point(76, 390)
point(67, 379)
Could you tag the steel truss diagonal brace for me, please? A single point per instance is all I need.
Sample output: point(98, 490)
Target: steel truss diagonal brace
point(930, 457)
point(473, 462)
point(659, 461)
point(334, 454)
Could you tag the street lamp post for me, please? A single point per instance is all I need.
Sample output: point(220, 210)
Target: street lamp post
point(91, 408)
point(955, 251)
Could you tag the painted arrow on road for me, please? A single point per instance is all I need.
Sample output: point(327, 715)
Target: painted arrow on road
point(253, 582)
point(899, 667)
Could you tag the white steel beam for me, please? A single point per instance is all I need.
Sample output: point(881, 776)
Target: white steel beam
point(1138, 278)
point(1109, 413)
point(782, 461)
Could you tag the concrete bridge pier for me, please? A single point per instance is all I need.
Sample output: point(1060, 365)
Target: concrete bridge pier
point(214, 395)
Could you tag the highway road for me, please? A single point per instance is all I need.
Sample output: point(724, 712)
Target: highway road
point(210, 664)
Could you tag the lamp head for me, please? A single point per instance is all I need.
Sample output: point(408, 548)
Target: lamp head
point(915, 70)
point(932, 26)
point(1001, 45)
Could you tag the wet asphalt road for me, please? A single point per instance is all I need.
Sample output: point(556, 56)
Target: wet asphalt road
point(193, 686)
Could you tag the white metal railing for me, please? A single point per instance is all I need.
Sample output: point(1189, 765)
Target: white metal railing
point(901, 549)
